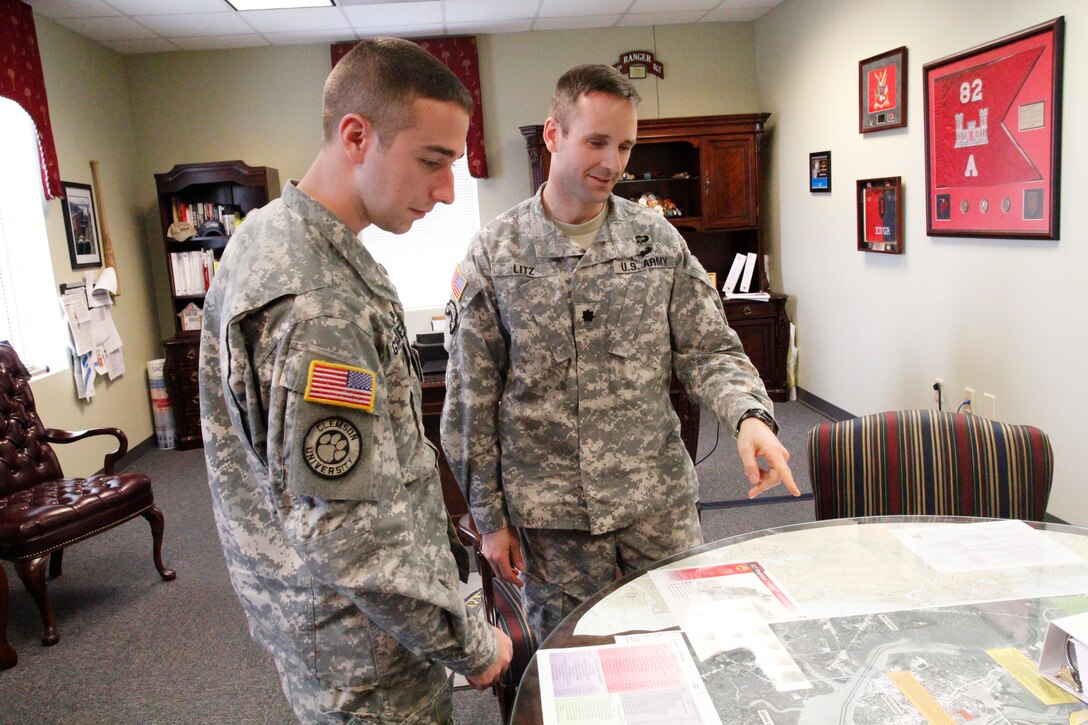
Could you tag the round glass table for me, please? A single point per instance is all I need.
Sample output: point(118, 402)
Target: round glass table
point(906, 619)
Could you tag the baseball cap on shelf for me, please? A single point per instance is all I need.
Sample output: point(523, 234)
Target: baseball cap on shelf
point(212, 228)
point(181, 231)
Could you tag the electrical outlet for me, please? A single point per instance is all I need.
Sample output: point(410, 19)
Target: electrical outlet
point(989, 406)
point(968, 401)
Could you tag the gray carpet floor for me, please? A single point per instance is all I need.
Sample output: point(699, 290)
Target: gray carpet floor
point(135, 649)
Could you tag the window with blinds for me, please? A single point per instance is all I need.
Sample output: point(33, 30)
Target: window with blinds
point(30, 317)
point(421, 261)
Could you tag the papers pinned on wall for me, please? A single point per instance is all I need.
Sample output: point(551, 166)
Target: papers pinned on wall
point(95, 342)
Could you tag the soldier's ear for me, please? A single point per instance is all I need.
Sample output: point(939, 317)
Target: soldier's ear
point(357, 135)
point(551, 134)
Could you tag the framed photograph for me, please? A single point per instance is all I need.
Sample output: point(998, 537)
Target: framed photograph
point(81, 224)
point(819, 171)
point(882, 91)
point(713, 279)
point(993, 137)
point(880, 215)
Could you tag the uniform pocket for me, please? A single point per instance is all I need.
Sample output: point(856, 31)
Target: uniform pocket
point(640, 347)
point(536, 314)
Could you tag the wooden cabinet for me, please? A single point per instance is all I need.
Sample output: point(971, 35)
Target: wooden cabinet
point(764, 330)
point(180, 375)
point(730, 176)
point(222, 191)
point(708, 167)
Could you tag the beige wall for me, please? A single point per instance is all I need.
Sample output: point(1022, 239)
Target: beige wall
point(264, 105)
point(92, 119)
point(1005, 317)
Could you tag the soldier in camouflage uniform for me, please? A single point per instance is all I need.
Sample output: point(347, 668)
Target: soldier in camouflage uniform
point(569, 314)
point(326, 493)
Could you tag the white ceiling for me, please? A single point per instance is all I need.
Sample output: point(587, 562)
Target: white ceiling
point(153, 26)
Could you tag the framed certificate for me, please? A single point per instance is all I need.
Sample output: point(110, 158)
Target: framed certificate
point(993, 137)
point(882, 91)
point(880, 215)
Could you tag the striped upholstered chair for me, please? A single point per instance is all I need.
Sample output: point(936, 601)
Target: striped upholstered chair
point(916, 462)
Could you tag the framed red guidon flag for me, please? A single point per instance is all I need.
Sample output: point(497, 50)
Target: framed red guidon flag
point(993, 137)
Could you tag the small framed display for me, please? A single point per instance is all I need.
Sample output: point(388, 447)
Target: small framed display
point(882, 91)
point(81, 225)
point(713, 279)
point(880, 215)
point(993, 137)
point(819, 171)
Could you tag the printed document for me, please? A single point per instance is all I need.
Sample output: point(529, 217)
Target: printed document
point(654, 681)
point(1002, 545)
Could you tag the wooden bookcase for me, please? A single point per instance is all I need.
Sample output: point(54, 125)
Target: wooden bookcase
point(709, 167)
point(204, 189)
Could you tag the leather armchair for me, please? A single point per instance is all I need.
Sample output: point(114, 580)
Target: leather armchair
point(41, 511)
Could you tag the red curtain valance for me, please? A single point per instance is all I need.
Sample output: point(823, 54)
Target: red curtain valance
point(22, 81)
point(459, 55)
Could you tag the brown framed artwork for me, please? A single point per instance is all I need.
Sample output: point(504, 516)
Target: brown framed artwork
point(81, 225)
point(993, 137)
point(819, 171)
point(880, 215)
point(882, 91)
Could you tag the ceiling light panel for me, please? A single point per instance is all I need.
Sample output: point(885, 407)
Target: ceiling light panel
point(388, 14)
point(278, 4)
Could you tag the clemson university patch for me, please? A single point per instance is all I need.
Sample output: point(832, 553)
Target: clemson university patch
point(332, 447)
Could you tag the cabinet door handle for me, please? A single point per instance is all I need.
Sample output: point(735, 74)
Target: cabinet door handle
point(190, 354)
point(706, 185)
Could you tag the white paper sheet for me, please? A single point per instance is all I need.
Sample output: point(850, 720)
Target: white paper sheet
point(115, 364)
point(986, 545)
point(683, 587)
point(78, 315)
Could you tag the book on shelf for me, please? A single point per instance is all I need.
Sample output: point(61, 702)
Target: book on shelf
point(199, 212)
point(733, 276)
point(749, 272)
point(192, 272)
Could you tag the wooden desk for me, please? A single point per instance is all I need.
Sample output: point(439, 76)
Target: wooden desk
point(883, 628)
point(8, 657)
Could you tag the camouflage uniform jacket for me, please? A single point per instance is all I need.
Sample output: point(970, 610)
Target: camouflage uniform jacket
point(557, 410)
point(330, 515)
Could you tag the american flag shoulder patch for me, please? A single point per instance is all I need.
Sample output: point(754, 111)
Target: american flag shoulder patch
point(335, 384)
point(457, 284)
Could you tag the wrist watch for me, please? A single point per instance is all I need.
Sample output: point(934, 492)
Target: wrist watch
point(761, 415)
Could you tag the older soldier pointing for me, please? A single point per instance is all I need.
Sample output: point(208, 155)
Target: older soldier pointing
point(570, 313)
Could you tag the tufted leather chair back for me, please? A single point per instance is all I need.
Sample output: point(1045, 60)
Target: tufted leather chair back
point(25, 458)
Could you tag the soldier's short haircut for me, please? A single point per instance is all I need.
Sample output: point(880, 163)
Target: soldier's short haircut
point(583, 79)
point(379, 79)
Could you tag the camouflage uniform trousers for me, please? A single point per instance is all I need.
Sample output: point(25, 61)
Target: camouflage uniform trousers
point(426, 699)
point(566, 567)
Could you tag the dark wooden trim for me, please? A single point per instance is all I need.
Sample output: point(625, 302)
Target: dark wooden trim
point(823, 407)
